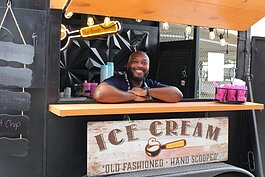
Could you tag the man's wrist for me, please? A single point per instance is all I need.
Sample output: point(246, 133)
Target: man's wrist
point(147, 89)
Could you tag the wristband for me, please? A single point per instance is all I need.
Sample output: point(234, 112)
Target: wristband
point(147, 91)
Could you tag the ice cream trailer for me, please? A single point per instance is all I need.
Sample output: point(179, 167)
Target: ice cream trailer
point(51, 58)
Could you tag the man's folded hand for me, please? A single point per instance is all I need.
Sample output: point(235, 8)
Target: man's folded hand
point(138, 91)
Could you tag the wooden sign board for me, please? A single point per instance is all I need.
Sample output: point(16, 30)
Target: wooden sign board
point(17, 147)
point(123, 146)
point(16, 52)
point(13, 125)
point(20, 77)
point(14, 101)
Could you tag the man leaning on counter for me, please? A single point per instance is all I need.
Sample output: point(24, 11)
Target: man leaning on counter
point(134, 85)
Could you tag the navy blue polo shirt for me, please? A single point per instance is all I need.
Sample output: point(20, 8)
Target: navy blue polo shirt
point(120, 82)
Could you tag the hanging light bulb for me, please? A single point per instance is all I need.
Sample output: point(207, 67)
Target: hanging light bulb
point(165, 26)
point(63, 32)
point(188, 30)
point(222, 40)
point(211, 33)
point(68, 15)
point(138, 20)
point(90, 21)
point(107, 21)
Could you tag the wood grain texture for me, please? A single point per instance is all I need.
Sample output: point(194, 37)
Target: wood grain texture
point(227, 14)
point(57, 4)
point(64, 110)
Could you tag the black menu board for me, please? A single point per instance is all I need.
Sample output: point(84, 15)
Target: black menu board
point(14, 100)
point(13, 125)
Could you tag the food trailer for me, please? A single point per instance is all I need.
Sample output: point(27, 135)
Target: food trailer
point(44, 50)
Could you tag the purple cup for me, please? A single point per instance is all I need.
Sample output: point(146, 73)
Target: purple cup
point(87, 89)
point(93, 86)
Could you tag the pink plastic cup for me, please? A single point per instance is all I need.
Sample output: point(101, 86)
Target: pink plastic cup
point(93, 86)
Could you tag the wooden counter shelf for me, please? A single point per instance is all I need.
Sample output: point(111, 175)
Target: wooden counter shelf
point(64, 110)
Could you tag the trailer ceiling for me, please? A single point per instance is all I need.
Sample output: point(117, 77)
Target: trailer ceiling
point(227, 14)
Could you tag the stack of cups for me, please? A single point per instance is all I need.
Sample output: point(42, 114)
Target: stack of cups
point(110, 69)
point(106, 71)
point(89, 88)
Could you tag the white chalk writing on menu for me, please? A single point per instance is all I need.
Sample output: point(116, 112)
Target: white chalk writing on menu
point(13, 125)
point(14, 100)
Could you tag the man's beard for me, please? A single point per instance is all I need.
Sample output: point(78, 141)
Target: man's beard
point(134, 78)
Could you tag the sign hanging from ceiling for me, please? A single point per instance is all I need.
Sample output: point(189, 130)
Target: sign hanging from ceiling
point(88, 31)
point(123, 146)
point(101, 29)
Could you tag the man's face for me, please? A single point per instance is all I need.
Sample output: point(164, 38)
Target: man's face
point(138, 66)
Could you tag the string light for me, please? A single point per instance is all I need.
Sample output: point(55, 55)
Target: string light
point(138, 20)
point(188, 30)
point(63, 32)
point(211, 33)
point(107, 21)
point(222, 40)
point(68, 15)
point(165, 26)
point(90, 21)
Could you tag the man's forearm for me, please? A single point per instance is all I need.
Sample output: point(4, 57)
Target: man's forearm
point(167, 94)
point(108, 94)
point(117, 97)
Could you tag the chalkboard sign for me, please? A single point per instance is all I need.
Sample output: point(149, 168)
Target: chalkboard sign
point(16, 52)
point(13, 125)
point(14, 100)
point(17, 147)
point(20, 77)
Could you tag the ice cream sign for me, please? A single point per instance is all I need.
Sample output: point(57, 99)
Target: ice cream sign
point(127, 146)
